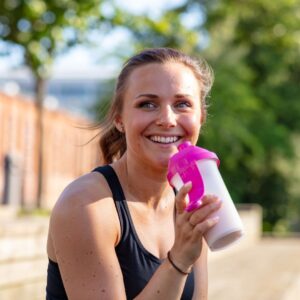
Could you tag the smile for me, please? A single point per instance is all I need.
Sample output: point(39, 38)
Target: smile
point(164, 139)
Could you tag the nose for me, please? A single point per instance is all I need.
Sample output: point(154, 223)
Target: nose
point(166, 117)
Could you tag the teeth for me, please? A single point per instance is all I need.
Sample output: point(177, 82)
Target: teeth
point(164, 140)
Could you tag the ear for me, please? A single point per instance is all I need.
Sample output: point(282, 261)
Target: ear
point(119, 124)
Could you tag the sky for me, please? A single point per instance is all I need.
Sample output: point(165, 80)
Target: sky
point(82, 58)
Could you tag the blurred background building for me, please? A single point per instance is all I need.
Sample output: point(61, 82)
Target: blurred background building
point(65, 149)
point(75, 92)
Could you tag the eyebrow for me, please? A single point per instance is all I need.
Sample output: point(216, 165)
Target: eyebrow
point(153, 96)
point(146, 95)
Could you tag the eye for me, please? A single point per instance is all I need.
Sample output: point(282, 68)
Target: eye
point(147, 105)
point(183, 104)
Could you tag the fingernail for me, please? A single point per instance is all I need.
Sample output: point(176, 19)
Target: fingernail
point(217, 199)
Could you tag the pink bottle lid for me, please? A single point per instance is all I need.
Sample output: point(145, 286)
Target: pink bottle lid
point(184, 163)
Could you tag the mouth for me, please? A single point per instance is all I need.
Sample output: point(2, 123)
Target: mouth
point(164, 139)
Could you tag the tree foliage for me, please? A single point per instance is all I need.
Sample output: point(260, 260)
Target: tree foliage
point(254, 113)
point(45, 28)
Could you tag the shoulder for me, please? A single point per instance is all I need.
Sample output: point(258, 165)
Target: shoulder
point(86, 205)
point(85, 190)
point(84, 230)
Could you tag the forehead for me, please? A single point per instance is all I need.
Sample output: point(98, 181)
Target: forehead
point(170, 74)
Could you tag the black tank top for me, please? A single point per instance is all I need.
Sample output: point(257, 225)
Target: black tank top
point(137, 264)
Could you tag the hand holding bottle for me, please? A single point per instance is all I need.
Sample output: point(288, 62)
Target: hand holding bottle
point(200, 166)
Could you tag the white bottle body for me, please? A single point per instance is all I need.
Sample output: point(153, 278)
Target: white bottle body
point(229, 229)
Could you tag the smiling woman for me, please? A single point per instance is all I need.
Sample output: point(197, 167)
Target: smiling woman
point(120, 232)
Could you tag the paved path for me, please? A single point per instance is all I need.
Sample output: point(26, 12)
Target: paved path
point(268, 270)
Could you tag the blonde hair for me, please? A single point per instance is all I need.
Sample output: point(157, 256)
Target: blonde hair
point(112, 141)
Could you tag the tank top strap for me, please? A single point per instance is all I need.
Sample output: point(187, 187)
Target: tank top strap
point(119, 198)
point(113, 181)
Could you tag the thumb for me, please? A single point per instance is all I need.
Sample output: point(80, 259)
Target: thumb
point(181, 199)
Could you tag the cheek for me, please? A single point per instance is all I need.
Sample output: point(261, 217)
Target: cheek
point(193, 125)
point(193, 129)
point(136, 124)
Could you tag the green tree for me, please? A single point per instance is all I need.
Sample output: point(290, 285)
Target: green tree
point(254, 113)
point(44, 29)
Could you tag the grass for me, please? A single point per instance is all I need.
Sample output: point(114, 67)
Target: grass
point(36, 212)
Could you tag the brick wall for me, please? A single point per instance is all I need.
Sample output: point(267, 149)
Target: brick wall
point(65, 155)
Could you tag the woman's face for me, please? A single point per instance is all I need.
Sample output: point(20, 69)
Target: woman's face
point(161, 109)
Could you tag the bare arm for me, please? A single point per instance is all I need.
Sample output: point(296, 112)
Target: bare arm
point(201, 275)
point(84, 234)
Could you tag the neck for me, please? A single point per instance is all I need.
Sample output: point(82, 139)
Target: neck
point(142, 184)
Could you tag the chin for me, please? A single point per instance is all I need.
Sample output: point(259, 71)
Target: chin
point(163, 162)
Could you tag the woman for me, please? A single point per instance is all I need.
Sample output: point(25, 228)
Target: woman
point(120, 232)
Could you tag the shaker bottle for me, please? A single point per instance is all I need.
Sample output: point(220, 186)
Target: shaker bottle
point(200, 166)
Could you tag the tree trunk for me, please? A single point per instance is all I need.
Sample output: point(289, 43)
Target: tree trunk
point(39, 102)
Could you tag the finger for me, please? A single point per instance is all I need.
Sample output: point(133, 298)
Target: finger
point(208, 199)
point(201, 228)
point(181, 198)
point(204, 211)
